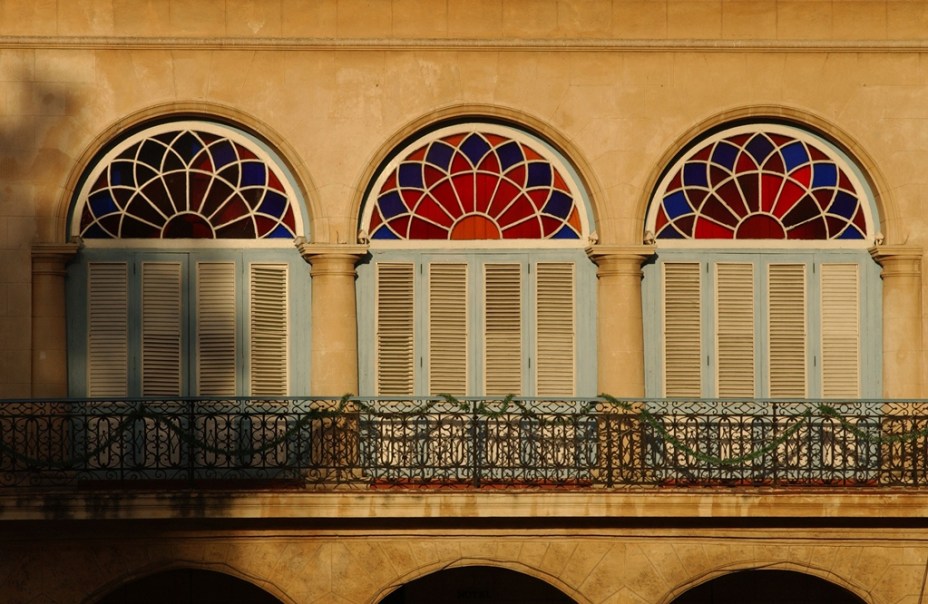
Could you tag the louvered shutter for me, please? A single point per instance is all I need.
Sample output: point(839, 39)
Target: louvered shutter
point(682, 329)
point(394, 328)
point(216, 319)
point(734, 301)
point(162, 329)
point(786, 330)
point(555, 329)
point(502, 329)
point(840, 324)
point(268, 329)
point(108, 329)
point(448, 332)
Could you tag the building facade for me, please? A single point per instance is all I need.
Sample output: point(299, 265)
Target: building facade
point(362, 301)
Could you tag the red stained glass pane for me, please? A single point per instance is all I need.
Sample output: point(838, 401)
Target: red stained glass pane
point(517, 175)
point(760, 226)
point(418, 154)
point(774, 164)
point(574, 221)
point(460, 164)
point(745, 163)
point(400, 225)
point(530, 229)
point(530, 154)
point(505, 194)
point(770, 185)
point(814, 229)
point(550, 226)
point(685, 226)
point(431, 210)
point(420, 229)
point(520, 209)
point(540, 197)
point(706, 229)
point(824, 197)
point(466, 187)
point(475, 226)
point(389, 184)
point(495, 139)
point(445, 194)
point(490, 163)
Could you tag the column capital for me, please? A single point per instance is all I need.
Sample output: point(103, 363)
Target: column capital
point(601, 254)
point(898, 260)
point(51, 258)
point(331, 258)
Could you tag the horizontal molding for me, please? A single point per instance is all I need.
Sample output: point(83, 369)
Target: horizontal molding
point(446, 44)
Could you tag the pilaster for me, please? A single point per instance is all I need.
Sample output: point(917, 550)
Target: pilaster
point(49, 318)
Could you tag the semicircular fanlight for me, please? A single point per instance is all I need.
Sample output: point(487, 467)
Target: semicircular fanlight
point(186, 182)
point(767, 183)
point(474, 185)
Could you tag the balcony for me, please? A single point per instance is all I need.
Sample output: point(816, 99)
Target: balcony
point(447, 443)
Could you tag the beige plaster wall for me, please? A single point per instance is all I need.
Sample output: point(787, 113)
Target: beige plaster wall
point(646, 566)
point(619, 84)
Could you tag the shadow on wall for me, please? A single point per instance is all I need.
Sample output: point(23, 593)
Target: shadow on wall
point(189, 586)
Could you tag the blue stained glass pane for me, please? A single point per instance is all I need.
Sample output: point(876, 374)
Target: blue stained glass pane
point(844, 205)
point(824, 175)
point(759, 147)
point(101, 204)
point(410, 176)
point(253, 174)
point(724, 154)
point(121, 173)
point(670, 233)
point(565, 233)
point(539, 175)
point(187, 146)
point(280, 232)
point(558, 204)
point(391, 204)
point(383, 232)
point(274, 204)
point(676, 205)
point(694, 175)
point(509, 155)
point(440, 155)
point(794, 155)
point(851, 232)
point(223, 153)
point(474, 148)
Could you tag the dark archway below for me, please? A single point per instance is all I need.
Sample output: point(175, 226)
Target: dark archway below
point(768, 587)
point(189, 586)
point(477, 585)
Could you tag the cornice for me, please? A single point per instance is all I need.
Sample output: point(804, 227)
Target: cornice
point(446, 44)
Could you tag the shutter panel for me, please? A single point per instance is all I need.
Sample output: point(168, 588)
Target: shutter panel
point(735, 329)
point(268, 329)
point(502, 329)
point(682, 330)
point(395, 333)
point(161, 329)
point(108, 329)
point(786, 330)
point(216, 329)
point(556, 337)
point(448, 328)
point(840, 287)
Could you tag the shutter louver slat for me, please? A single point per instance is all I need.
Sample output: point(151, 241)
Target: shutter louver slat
point(108, 329)
point(268, 329)
point(216, 327)
point(735, 329)
point(448, 331)
point(840, 288)
point(682, 330)
point(395, 316)
point(503, 329)
point(556, 337)
point(161, 329)
point(787, 330)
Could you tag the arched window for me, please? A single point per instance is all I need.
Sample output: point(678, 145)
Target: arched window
point(188, 280)
point(478, 282)
point(762, 278)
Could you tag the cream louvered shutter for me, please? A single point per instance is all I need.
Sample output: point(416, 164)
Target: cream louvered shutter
point(448, 333)
point(216, 320)
point(502, 337)
point(162, 329)
point(682, 329)
point(108, 329)
point(268, 329)
point(394, 329)
point(735, 329)
point(555, 329)
point(786, 330)
point(840, 293)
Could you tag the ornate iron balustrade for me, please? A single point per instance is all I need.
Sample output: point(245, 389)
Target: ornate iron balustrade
point(468, 443)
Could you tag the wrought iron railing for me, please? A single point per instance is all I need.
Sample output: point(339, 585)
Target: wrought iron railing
point(445, 442)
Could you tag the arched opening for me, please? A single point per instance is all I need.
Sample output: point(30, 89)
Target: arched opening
point(189, 586)
point(485, 584)
point(767, 587)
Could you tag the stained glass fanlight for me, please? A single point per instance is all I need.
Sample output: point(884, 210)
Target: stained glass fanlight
point(766, 181)
point(476, 182)
point(187, 180)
